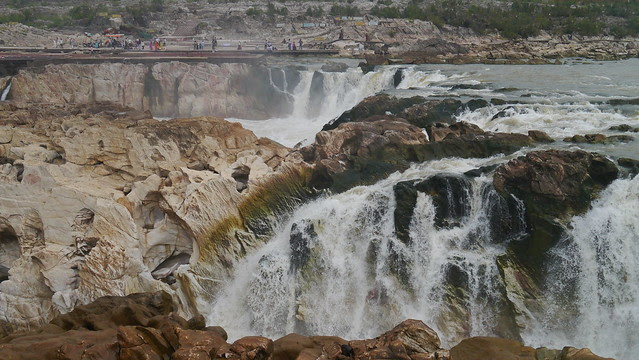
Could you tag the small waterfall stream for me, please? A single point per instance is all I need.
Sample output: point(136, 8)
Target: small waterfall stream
point(316, 98)
point(5, 92)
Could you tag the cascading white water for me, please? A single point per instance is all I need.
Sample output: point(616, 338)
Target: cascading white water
point(357, 279)
point(559, 120)
point(5, 92)
point(318, 98)
point(595, 270)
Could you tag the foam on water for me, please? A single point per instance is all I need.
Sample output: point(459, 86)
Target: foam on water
point(558, 120)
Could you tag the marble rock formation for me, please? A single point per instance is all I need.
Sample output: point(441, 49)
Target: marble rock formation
point(103, 200)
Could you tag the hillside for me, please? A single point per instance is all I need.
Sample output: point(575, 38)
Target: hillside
point(482, 29)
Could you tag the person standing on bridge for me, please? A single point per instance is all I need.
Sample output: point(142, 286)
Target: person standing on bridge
point(301, 43)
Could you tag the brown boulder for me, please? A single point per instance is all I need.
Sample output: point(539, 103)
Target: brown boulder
point(484, 348)
point(363, 138)
point(540, 136)
point(571, 353)
point(72, 345)
point(197, 345)
point(290, 346)
point(562, 177)
point(441, 131)
point(252, 348)
point(553, 185)
point(402, 342)
point(142, 343)
point(598, 139)
point(295, 346)
point(113, 311)
point(219, 331)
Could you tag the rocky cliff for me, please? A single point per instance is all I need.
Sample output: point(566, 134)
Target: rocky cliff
point(168, 89)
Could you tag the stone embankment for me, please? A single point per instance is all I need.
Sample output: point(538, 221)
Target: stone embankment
point(145, 326)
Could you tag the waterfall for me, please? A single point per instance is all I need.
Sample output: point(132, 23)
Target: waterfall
point(5, 92)
point(316, 98)
point(336, 266)
point(595, 275)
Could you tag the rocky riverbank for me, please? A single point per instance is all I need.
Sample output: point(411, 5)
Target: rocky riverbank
point(145, 326)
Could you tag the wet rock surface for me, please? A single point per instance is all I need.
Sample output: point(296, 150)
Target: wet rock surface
point(599, 139)
point(417, 110)
point(357, 153)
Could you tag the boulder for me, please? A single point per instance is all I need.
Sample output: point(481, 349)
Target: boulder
point(407, 339)
point(416, 110)
point(374, 105)
point(74, 344)
point(112, 311)
point(571, 353)
point(138, 342)
point(598, 139)
point(624, 128)
point(482, 348)
point(430, 112)
point(290, 346)
point(631, 164)
point(346, 156)
point(540, 136)
point(358, 153)
point(252, 348)
point(196, 345)
point(440, 131)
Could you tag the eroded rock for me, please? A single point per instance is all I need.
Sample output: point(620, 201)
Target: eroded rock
point(129, 209)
